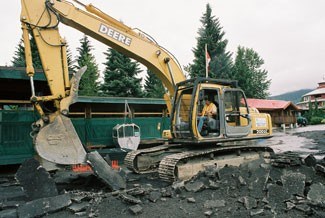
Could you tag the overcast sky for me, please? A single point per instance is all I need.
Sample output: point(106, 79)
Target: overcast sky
point(288, 34)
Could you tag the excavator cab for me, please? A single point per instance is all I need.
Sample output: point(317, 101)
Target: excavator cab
point(231, 120)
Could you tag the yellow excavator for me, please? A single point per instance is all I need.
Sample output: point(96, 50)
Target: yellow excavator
point(226, 140)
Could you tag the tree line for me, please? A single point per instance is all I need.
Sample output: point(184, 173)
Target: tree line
point(121, 73)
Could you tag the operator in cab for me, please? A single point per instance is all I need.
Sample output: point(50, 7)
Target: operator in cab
point(208, 111)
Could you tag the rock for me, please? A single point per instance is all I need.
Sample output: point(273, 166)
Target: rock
point(191, 200)
point(167, 192)
point(319, 213)
point(4, 180)
point(137, 191)
point(316, 193)
point(35, 180)
point(211, 171)
point(78, 207)
point(154, 196)
point(293, 183)
point(65, 177)
point(77, 198)
point(303, 207)
point(178, 185)
point(320, 168)
point(209, 204)
point(10, 204)
point(100, 167)
point(208, 213)
point(257, 182)
point(12, 193)
point(43, 206)
point(11, 213)
point(213, 185)
point(276, 195)
point(249, 202)
point(241, 181)
point(129, 198)
point(290, 205)
point(256, 212)
point(310, 160)
point(83, 213)
point(194, 186)
point(136, 209)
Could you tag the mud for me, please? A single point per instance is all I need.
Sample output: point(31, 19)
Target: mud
point(289, 186)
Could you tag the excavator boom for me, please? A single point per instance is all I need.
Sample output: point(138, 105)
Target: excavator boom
point(56, 140)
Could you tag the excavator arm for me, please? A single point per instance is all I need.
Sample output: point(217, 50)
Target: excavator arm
point(56, 140)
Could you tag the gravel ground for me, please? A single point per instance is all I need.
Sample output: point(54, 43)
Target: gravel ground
point(292, 185)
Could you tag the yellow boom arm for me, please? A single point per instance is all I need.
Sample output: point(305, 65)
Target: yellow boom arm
point(57, 140)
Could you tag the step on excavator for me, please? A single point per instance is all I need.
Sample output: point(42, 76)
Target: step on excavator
point(228, 136)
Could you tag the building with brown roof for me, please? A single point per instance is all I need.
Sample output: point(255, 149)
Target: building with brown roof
point(282, 112)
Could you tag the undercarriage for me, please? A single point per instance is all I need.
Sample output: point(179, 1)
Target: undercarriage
point(179, 162)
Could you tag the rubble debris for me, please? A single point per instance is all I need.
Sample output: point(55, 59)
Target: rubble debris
point(213, 185)
point(136, 209)
point(248, 202)
point(194, 186)
point(256, 212)
point(209, 204)
point(242, 181)
point(66, 177)
point(130, 199)
point(320, 168)
point(316, 194)
point(43, 206)
point(208, 213)
point(154, 196)
point(12, 193)
point(4, 180)
point(11, 213)
point(100, 167)
point(303, 207)
point(35, 180)
point(286, 159)
point(290, 205)
point(81, 214)
point(79, 207)
point(293, 183)
point(257, 189)
point(10, 204)
point(191, 200)
point(310, 160)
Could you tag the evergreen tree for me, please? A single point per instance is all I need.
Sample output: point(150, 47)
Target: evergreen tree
point(211, 34)
point(19, 57)
point(247, 71)
point(153, 86)
point(119, 76)
point(88, 83)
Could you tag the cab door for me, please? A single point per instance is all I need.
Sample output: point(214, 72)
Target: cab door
point(236, 113)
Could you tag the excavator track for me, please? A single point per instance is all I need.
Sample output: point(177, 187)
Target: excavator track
point(130, 160)
point(168, 167)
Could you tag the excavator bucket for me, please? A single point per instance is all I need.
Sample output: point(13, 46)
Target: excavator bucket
point(59, 142)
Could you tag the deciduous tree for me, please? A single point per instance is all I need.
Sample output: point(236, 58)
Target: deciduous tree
point(248, 71)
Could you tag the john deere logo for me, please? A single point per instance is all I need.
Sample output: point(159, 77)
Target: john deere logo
point(115, 34)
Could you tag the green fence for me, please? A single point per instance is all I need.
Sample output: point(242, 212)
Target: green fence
point(16, 144)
